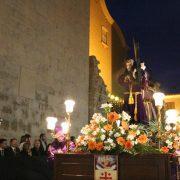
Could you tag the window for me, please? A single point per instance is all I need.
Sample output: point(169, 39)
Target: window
point(170, 105)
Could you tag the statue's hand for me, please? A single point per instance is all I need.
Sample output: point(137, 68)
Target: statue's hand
point(134, 73)
point(127, 79)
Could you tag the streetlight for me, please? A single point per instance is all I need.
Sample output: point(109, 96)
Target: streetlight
point(51, 123)
point(65, 127)
point(158, 98)
point(171, 117)
point(69, 109)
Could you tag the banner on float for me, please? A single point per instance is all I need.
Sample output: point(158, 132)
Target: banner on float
point(106, 167)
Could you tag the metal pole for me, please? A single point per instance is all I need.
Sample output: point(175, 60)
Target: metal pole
point(159, 126)
point(68, 133)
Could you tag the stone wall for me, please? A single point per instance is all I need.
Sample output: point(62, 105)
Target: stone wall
point(97, 88)
point(43, 61)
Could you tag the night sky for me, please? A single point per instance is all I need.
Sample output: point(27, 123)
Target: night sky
point(156, 25)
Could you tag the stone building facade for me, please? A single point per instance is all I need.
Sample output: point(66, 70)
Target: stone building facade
point(44, 60)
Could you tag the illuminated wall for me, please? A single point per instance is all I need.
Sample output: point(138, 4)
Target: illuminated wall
point(101, 44)
point(173, 101)
point(102, 51)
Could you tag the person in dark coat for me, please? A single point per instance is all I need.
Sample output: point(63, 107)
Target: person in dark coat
point(12, 150)
point(25, 139)
point(43, 143)
point(3, 145)
point(36, 150)
point(26, 150)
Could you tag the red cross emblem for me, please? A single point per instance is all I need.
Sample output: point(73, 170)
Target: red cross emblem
point(106, 176)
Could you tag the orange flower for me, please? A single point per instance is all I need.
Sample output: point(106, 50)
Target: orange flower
point(128, 145)
point(124, 124)
point(108, 127)
point(165, 149)
point(120, 140)
point(81, 138)
point(94, 126)
point(142, 139)
point(175, 145)
point(132, 133)
point(113, 117)
point(91, 145)
point(99, 146)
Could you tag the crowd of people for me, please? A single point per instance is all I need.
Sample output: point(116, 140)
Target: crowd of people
point(29, 160)
point(25, 147)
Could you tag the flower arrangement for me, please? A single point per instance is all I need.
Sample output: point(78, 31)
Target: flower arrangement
point(171, 138)
point(111, 132)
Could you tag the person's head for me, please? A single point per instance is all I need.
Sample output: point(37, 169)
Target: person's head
point(27, 138)
point(37, 143)
point(23, 139)
point(143, 66)
point(13, 142)
point(26, 147)
point(42, 137)
point(60, 136)
point(129, 63)
point(3, 143)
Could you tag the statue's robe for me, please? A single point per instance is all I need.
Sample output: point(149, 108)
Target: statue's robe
point(137, 109)
point(147, 95)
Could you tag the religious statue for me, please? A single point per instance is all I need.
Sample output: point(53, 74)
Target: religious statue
point(138, 94)
point(147, 93)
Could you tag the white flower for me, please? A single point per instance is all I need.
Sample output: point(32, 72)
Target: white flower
point(125, 116)
point(103, 119)
point(103, 137)
point(136, 141)
point(84, 131)
point(122, 130)
point(107, 148)
point(97, 116)
point(170, 146)
point(138, 132)
point(110, 133)
point(118, 122)
point(102, 130)
point(113, 145)
point(109, 140)
point(94, 133)
point(133, 142)
point(106, 105)
point(133, 126)
point(168, 127)
point(169, 142)
point(130, 137)
point(84, 143)
point(116, 135)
